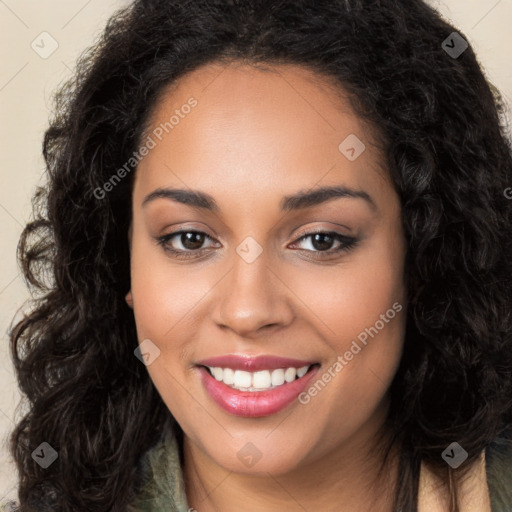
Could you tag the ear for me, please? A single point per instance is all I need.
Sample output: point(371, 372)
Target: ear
point(129, 299)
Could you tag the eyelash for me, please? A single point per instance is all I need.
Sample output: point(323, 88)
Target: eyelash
point(348, 243)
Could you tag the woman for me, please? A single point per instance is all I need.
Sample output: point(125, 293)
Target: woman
point(277, 238)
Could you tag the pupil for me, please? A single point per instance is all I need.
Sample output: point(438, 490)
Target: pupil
point(192, 240)
point(324, 245)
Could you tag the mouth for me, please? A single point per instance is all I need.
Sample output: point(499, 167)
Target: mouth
point(262, 380)
point(251, 394)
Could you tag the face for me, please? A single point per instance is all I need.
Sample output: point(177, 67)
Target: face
point(264, 278)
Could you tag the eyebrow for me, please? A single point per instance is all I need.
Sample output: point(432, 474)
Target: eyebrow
point(297, 201)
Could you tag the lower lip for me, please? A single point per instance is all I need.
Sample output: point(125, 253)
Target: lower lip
point(253, 404)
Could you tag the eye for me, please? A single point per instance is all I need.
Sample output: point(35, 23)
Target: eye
point(320, 243)
point(191, 242)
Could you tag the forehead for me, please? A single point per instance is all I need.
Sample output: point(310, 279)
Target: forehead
point(280, 127)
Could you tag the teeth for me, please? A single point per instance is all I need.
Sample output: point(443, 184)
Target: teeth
point(228, 376)
point(290, 374)
point(217, 373)
point(261, 380)
point(277, 377)
point(302, 371)
point(242, 379)
point(257, 381)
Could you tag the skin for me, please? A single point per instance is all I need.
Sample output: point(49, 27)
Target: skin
point(254, 137)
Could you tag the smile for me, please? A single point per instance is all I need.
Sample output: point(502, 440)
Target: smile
point(254, 387)
point(257, 381)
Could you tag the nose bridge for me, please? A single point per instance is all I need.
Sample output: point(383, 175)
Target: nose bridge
point(252, 297)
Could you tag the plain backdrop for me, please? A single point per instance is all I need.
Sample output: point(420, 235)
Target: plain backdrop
point(39, 45)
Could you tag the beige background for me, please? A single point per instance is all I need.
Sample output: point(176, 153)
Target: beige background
point(27, 81)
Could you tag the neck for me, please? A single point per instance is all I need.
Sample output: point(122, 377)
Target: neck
point(434, 496)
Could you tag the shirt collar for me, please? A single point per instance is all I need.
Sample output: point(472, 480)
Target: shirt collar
point(163, 487)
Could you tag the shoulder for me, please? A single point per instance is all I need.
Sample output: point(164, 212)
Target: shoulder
point(159, 471)
point(498, 457)
point(161, 476)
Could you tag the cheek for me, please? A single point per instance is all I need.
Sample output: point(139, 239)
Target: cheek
point(164, 304)
point(350, 297)
point(165, 294)
point(362, 312)
point(359, 310)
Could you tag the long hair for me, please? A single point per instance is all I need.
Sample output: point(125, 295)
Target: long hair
point(444, 133)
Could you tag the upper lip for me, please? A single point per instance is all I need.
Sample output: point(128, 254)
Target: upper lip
point(253, 363)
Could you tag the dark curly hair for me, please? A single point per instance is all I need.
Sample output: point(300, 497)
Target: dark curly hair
point(444, 132)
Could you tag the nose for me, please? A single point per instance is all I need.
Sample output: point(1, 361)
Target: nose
point(252, 298)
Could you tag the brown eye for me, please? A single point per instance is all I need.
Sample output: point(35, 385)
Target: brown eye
point(192, 240)
point(321, 242)
point(189, 243)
